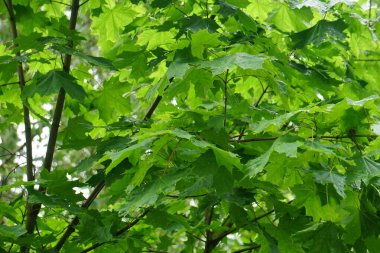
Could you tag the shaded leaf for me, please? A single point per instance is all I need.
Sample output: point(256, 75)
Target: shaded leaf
point(319, 33)
point(52, 81)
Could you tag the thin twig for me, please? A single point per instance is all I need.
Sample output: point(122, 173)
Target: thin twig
point(262, 95)
point(225, 98)
point(153, 107)
point(241, 134)
point(58, 2)
point(207, 9)
point(210, 243)
point(375, 60)
point(71, 227)
point(170, 158)
point(369, 13)
point(178, 9)
point(196, 237)
point(11, 83)
point(84, 3)
point(187, 197)
point(325, 137)
point(254, 246)
point(217, 238)
point(120, 231)
point(154, 251)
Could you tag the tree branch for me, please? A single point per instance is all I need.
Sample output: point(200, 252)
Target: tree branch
point(253, 246)
point(210, 243)
point(369, 13)
point(11, 83)
point(217, 238)
point(71, 227)
point(170, 158)
point(196, 237)
point(324, 137)
point(186, 197)
point(366, 60)
point(119, 232)
point(225, 98)
point(21, 77)
point(34, 209)
point(58, 2)
point(153, 107)
point(28, 130)
point(84, 2)
point(241, 134)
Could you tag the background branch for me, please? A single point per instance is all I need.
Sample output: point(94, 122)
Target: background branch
point(21, 77)
point(27, 126)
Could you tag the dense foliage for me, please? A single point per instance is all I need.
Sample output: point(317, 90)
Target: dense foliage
point(189, 126)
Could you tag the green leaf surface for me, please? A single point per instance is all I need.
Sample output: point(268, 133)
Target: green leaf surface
point(320, 33)
point(109, 23)
point(338, 181)
point(364, 170)
point(15, 185)
point(11, 232)
point(202, 40)
point(52, 81)
point(243, 60)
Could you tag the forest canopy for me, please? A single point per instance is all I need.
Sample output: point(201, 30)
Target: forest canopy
point(189, 126)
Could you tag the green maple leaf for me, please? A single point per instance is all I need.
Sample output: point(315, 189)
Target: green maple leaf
point(364, 170)
point(112, 91)
point(287, 145)
point(289, 20)
point(154, 39)
point(110, 23)
point(338, 181)
point(11, 232)
point(319, 33)
point(52, 81)
point(243, 60)
point(202, 40)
